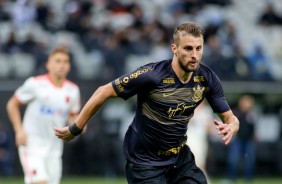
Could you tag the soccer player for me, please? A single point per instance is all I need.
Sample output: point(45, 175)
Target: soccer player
point(167, 92)
point(51, 101)
point(243, 145)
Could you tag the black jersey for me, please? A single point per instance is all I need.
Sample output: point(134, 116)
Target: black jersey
point(164, 107)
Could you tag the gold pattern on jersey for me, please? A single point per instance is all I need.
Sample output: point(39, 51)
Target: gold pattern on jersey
point(176, 103)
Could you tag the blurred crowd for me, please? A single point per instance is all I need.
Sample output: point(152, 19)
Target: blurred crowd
point(107, 38)
point(114, 36)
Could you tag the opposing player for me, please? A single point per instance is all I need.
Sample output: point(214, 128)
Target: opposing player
point(167, 94)
point(199, 129)
point(51, 101)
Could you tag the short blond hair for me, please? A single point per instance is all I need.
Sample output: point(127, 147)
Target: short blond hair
point(190, 28)
point(62, 50)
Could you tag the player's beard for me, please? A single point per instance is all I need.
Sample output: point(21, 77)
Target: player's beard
point(185, 66)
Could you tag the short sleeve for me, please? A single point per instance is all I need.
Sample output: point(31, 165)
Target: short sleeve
point(26, 92)
point(75, 103)
point(138, 81)
point(215, 95)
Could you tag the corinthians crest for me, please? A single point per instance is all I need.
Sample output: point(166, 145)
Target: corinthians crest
point(198, 93)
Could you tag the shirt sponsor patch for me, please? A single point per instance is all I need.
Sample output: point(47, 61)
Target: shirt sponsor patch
point(199, 79)
point(168, 81)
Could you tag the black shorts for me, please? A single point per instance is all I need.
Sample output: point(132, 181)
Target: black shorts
point(184, 171)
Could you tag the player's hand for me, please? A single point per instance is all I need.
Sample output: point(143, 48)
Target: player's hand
point(64, 133)
point(225, 130)
point(21, 138)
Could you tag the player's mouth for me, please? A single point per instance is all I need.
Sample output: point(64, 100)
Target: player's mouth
point(193, 63)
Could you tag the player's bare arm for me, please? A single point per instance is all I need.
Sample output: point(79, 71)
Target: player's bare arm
point(14, 114)
point(90, 108)
point(72, 118)
point(228, 127)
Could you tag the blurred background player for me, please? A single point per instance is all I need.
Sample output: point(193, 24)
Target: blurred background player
point(242, 147)
point(51, 101)
point(199, 127)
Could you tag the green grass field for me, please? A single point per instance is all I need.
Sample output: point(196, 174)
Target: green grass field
point(90, 180)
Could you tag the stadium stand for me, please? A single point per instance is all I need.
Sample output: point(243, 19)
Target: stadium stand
point(110, 37)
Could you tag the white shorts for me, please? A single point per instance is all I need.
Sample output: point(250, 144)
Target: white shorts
point(40, 168)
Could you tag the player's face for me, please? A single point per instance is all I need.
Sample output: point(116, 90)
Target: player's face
point(58, 65)
point(189, 52)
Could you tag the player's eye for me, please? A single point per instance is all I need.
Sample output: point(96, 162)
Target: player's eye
point(188, 48)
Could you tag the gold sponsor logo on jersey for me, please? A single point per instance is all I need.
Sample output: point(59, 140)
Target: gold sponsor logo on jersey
point(118, 85)
point(168, 81)
point(125, 80)
point(134, 75)
point(198, 93)
point(172, 151)
point(199, 79)
point(139, 72)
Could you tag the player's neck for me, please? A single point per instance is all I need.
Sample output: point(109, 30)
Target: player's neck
point(183, 76)
point(58, 82)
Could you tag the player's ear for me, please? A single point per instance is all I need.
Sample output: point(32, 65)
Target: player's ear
point(174, 48)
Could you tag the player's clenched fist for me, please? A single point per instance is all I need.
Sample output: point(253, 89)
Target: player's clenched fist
point(68, 133)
